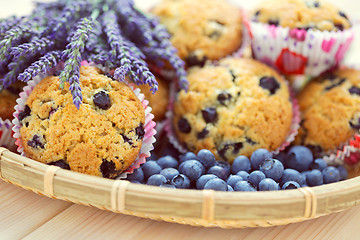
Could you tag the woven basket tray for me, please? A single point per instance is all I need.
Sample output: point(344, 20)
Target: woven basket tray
point(200, 208)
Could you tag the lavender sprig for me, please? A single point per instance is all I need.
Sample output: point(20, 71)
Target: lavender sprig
point(67, 15)
point(6, 24)
point(73, 52)
point(36, 46)
point(43, 65)
point(129, 55)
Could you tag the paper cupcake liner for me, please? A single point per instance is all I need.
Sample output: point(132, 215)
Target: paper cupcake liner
point(149, 126)
point(298, 51)
point(6, 139)
point(294, 128)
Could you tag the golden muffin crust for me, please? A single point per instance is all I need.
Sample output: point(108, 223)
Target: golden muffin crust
point(201, 29)
point(159, 100)
point(330, 110)
point(303, 14)
point(233, 108)
point(101, 138)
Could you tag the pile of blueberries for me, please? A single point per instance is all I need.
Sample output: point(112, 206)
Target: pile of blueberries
point(292, 169)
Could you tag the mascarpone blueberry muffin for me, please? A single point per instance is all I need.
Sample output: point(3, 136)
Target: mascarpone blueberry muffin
point(102, 138)
point(330, 109)
point(233, 108)
point(201, 29)
point(302, 14)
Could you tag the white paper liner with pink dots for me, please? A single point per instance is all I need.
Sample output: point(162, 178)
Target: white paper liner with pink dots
point(299, 51)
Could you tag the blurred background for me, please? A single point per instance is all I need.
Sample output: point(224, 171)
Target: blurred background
point(350, 7)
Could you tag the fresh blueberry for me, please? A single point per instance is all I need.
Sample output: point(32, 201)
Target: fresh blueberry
point(272, 168)
point(150, 168)
point(314, 178)
point(225, 165)
point(299, 158)
point(343, 172)
point(269, 83)
point(216, 184)
point(290, 185)
point(167, 185)
point(192, 169)
point(233, 179)
point(291, 175)
point(102, 100)
point(181, 181)
point(209, 115)
point(61, 163)
point(167, 162)
point(256, 176)
point(218, 171)
point(258, 157)
point(241, 163)
point(282, 156)
point(268, 184)
point(156, 180)
point(244, 175)
point(230, 188)
point(330, 175)
point(200, 183)
point(245, 186)
point(135, 181)
point(137, 175)
point(206, 157)
point(318, 164)
point(153, 157)
point(169, 173)
point(188, 156)
point(184, 126)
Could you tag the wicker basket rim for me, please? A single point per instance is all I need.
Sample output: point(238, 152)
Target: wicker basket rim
point(195, 207)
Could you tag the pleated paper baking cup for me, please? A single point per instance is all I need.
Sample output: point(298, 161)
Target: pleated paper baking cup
point(299, 51)
point(294, 128)
point(149, 126)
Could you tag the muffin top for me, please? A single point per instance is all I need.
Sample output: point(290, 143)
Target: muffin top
point(201, 29)
point(330, 108)
point(8, 100)
point(302, 14)
point(102, 138)
point(159, 100)
point(233, 108)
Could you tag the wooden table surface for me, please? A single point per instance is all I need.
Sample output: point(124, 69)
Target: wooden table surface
point(26, 215)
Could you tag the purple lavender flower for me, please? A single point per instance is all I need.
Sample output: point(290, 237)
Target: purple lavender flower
point(43, 65)
point(35, 46)
point(73, 55)
point(8, 23)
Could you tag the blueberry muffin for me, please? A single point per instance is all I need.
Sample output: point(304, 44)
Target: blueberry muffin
point(330, 108)
point(8, 98)
point(233, 107)
point(102, 138)
point(302, 14)
point(201, 29)
point(159, 100)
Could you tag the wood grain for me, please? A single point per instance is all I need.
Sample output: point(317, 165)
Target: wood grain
point(22, 211)
point(81, 222)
